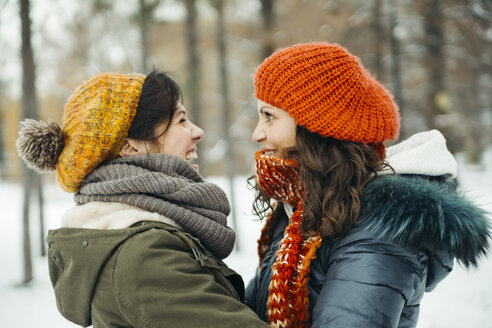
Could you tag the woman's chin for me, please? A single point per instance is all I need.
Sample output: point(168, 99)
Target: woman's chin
point(195, 166)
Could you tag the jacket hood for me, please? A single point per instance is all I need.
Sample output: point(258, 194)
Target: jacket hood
point(76, 256)
point(415, 211)
point(424, 153)
point(108, 215)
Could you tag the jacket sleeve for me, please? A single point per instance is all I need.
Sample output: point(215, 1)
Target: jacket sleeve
point(368, 283)
point(157, 283)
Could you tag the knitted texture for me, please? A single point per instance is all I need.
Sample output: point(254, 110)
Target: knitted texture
point(96, 121)
point(167, 185)
point(327, 90)
point(288, 299)
point(424, 153)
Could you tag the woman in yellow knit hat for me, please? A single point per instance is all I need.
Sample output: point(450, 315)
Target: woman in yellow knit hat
point(348, 242)
point(143, 246)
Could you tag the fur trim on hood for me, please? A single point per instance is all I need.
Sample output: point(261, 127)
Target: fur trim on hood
point(416, 212)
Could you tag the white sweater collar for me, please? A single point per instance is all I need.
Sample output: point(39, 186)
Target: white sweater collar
point(423, 153)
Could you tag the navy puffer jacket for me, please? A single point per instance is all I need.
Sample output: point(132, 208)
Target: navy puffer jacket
point(409, 232)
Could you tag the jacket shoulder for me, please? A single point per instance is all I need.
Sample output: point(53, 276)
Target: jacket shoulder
point(159, 279)
point(420, 213)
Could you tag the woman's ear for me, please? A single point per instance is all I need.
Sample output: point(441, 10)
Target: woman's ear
point(133, 147)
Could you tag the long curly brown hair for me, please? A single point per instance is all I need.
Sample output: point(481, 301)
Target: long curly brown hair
point(333, 174)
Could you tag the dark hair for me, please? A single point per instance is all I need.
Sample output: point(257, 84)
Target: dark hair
point(158, 103)
point(333, 174)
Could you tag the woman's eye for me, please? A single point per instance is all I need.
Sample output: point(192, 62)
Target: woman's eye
point(182, 120)
point(268, 116)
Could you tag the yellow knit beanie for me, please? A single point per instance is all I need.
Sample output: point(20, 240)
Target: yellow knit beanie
point(96, 121)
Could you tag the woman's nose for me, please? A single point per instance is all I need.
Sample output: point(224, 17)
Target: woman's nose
point(197, 133)
point(258, 133)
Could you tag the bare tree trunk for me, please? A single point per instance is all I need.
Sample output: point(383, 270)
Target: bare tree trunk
point(378, 44)
point(193, 82)
point(2, 128)
point(221, 31)
point(39, 189)
point(145, 18)
point(395, 62)
point(267, 13)
point(474, 139)
point(433, 15)
point(475, 99)
point(26, 237)
point(433, 20)
point(29, 109)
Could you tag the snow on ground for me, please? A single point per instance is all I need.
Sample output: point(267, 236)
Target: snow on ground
point(464, 299)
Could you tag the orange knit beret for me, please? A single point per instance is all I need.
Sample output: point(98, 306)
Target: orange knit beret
point(328, 91)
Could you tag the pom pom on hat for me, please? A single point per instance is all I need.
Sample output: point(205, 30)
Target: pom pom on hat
point(95, 125)
point(40, 144)
point(326, 89)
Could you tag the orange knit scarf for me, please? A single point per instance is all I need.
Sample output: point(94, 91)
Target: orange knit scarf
point(288, 301)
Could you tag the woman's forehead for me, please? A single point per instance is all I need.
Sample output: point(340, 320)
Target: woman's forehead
point(263, 105)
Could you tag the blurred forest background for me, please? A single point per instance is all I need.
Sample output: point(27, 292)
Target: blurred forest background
point(435, 56)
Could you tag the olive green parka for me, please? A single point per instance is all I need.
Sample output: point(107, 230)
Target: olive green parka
point(151, 274)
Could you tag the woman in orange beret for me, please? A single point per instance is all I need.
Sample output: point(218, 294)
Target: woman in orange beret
point(348, 242)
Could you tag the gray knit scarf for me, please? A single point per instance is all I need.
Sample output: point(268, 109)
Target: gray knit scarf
point(167, 185)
